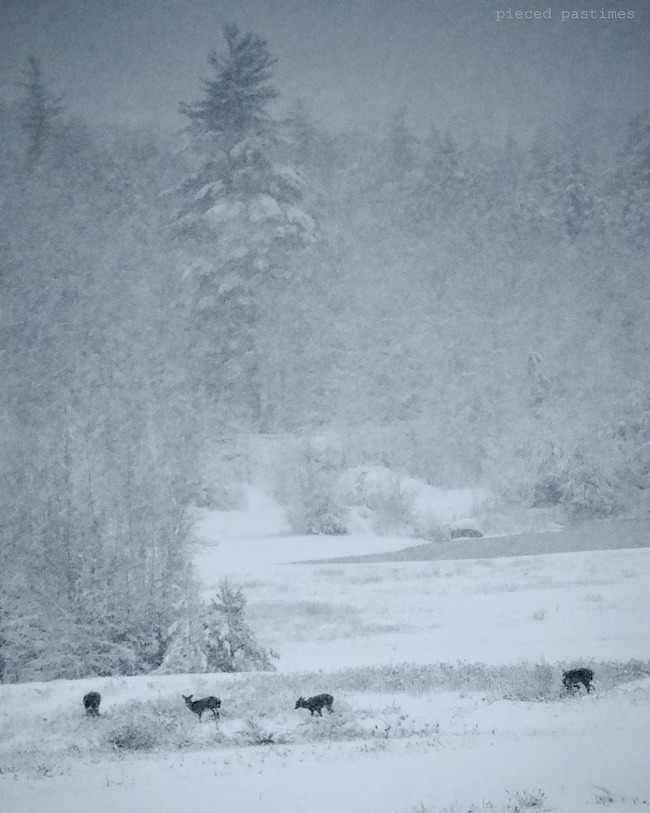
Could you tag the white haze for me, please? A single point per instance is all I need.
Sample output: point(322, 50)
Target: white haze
point(355, 61)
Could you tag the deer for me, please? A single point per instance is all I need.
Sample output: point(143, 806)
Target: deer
point(91, 703)
point(316, 703)
point(199, 706)
point(574, 677)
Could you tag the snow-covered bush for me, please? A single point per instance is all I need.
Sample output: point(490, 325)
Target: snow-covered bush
point(145, 726)
point(385, 493)
point(307, 492)
point(580, 487)
point(254, 734)
point(135, 735)
point(408, 506)
point(430, 529)
point(522, 801)
point(547, 492)
point(587, 493)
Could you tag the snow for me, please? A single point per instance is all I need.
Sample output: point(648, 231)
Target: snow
point(264, 207)
point(223, 211)
point(301, 218)
point(381, 751)
point(260, 516)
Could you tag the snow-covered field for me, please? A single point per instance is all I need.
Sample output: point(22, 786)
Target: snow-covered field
point(489, 731)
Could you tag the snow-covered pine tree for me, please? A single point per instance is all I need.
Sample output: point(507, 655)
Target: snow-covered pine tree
point(401, 145)
point(244, 218)
point(228, 642)
point(215, 637)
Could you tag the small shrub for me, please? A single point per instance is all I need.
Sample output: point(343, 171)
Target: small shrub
point(325, 521)
point(545, 681)
point(428, 528)
point(465, 533)
point(393, 505)
point(548, 492)
point(604, 797)
point(253, 734)
point(140, 726)
point(137, 735)
point(525, 800)
point(580, 486)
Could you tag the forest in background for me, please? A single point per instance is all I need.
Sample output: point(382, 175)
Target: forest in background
point(469, 313)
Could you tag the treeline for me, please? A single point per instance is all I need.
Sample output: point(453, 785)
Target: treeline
point(471, 313)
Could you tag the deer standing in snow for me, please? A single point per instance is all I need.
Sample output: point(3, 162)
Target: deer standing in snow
point(574, 677)
point(91, 703)
point(199, 706)
point(316, 703)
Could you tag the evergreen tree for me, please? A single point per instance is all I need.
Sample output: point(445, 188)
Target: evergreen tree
point(229, 643)
point(401, 143)
point(634, 179)
point(577, 200)
point(439, 194)
point(244, 218)
point(392, 169)
point(41, 109)
point(305, 145)
point(215, 637)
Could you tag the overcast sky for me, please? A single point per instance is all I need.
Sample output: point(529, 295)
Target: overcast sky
point(354, 62)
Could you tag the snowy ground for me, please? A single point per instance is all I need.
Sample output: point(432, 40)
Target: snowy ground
point(350, 629)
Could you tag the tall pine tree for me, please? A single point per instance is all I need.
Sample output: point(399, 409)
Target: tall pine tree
point(244, 219)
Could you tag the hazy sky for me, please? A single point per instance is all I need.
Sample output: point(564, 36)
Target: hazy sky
point(354, 62)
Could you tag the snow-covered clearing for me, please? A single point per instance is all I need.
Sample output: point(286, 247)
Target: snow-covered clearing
point(401, 737)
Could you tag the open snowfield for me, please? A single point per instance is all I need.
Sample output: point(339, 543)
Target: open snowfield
point(446, 678)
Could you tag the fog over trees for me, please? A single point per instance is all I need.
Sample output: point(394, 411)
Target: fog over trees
point(471, 310)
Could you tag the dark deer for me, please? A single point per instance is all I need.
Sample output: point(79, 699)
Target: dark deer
point(199, 706)
point(574, 677)
point(316, 703)
point(91, 703)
